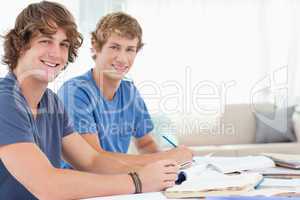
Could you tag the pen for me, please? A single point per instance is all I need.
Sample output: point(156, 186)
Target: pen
point(259, 183)
point(185, 165)
point(169, 141)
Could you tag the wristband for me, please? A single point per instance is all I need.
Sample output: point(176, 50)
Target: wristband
point(137, 182)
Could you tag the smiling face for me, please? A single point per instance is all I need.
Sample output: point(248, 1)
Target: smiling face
point(116, 57)
point(46, 57)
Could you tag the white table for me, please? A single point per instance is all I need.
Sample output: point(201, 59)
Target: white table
point(160, 195)
point(143, 196)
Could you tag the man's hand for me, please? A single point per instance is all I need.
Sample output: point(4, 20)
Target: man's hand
point(181, 154)
point(158, 176)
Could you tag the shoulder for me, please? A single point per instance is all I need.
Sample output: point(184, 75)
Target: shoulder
point(11, 98)
point(79, 91)
point(78, 81)
point(8, 85)
point(10, 90)
point(78, 86)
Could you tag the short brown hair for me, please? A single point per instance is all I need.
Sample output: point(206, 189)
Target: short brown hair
point(119, 23)
point(43, 17)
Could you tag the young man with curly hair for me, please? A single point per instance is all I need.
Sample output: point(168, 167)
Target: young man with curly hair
point(35, 132)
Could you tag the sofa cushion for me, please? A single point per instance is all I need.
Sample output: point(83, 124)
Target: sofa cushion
point(246, 149)
point(236, 125)
point(275, 126)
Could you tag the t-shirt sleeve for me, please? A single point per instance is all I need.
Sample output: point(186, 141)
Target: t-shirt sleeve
point(143, 122)
point(15, 124)
point(79, 108)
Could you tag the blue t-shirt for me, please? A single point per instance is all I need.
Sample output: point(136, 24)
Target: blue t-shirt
point(114, 121)
point(17, 124)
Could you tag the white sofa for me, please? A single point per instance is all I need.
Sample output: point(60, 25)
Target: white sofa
point(231, 133)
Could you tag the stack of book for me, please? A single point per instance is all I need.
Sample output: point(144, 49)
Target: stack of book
point(285, 160)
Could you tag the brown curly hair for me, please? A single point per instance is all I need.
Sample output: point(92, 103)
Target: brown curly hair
point(119, 23)
point(43, 17)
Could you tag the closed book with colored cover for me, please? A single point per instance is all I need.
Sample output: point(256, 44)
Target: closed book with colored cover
point(285, 160)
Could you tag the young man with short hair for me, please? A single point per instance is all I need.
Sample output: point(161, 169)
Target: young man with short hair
point(104, 106)
point(34, 128)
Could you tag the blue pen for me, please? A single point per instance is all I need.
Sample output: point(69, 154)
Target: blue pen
point(169, 141)
point(259, 183)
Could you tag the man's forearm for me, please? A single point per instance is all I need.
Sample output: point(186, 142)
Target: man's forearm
point(113, 163)
point(70, 184)
point(133, 161)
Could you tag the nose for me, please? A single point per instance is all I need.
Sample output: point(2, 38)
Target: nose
point(122, 57)
point(54, 51)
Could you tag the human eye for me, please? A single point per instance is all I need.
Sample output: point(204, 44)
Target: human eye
point(131, 50)
point(114, 47)
point(66, 45)
point(44, 41)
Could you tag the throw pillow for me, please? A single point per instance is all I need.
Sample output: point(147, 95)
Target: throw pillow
point(272, 127)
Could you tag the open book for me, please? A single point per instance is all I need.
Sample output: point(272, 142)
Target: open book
point(234, 164)
point(285, 160)
point(213, 183)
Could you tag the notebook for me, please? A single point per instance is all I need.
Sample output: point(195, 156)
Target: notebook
point(213, 183)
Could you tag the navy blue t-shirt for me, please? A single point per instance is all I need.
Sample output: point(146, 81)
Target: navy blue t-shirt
point(17, 124)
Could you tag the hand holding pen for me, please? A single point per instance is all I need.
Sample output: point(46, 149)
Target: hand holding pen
point(181, 154)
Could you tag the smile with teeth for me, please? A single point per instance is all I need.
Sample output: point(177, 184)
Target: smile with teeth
point(120, 68)
point(49, 64)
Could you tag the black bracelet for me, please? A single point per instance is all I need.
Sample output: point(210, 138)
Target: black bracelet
point(137, 182)
point(134, 182)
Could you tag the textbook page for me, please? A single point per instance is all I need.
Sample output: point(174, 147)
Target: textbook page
point(236, 164)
